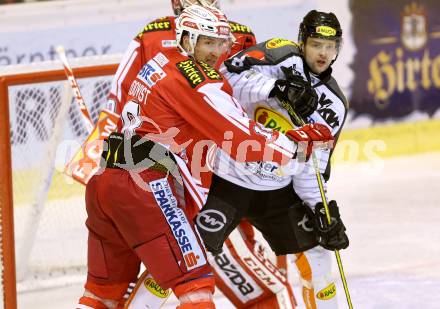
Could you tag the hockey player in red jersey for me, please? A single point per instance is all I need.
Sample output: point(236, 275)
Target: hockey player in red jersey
point(136, 212)
point(160, 35)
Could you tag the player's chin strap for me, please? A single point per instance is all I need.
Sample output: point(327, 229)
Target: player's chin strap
point(327, 212)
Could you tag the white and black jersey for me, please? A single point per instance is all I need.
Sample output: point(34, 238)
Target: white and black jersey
point(252, 74)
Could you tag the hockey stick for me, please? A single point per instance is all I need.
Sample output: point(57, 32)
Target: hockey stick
point(86, 160)
point(78, 96)
point(327, 212)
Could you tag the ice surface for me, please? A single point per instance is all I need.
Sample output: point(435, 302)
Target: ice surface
point(392, 214)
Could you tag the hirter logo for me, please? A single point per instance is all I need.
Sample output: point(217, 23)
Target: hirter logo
point(414, 26)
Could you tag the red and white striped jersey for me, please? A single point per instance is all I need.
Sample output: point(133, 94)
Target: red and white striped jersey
point(160, 35)
point(188, 106)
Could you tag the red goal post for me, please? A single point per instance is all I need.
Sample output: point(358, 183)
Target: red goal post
point(22, 76)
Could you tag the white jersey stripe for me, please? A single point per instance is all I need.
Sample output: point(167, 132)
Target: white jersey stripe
point(189, 182)
point(287, 152)
point(126, 62)
point(124, 73)
point(80, 306)
point(227, 111)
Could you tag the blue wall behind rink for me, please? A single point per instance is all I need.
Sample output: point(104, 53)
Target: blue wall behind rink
point(397, 63)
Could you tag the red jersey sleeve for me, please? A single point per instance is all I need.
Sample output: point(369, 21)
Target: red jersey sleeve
point(198, 94)
point(244, 37)
point(144, 44)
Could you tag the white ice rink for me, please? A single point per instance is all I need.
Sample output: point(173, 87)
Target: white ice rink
point(392, 213)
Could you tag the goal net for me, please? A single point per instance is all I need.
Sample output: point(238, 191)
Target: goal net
point(41, 129)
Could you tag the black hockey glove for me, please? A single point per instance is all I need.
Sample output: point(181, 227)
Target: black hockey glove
point(298, 93)
point(330, 236)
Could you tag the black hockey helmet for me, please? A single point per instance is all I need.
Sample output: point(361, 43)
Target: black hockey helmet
point(320, 25)
point(179, 5)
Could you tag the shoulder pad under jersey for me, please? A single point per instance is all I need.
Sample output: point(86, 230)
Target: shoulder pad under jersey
point(244, 37)
point(160, 24)
point(210, 72)
point(239, 28)
point(270, 52)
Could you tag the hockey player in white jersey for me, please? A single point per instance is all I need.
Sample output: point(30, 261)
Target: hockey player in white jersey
point(270, 80)
point(244, 285)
